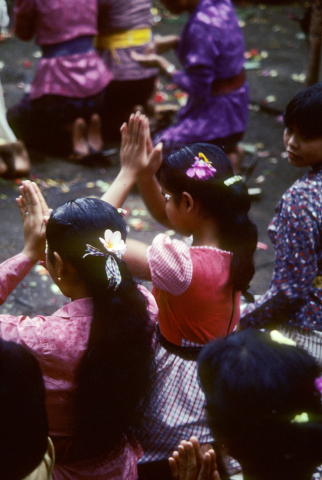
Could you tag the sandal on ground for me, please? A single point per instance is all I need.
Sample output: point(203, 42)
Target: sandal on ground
point(248, 165)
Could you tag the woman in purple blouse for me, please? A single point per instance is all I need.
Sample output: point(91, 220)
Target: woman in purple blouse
point(67, 91)
point(211, 51)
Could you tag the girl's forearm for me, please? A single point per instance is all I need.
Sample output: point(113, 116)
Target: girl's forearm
point(120, 188)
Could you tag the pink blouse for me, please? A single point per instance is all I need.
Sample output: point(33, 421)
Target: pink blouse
point(59, 342)
point(80, 75)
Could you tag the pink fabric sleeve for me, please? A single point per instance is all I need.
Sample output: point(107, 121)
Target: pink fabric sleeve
point(170, 264)
point(23, 330)
point(152, 306)
point(12, 271)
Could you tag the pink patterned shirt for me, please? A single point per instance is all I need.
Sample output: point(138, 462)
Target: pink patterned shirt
point(59, 342)
point(79, 75)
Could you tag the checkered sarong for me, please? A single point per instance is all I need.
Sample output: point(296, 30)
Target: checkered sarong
point(179, 410)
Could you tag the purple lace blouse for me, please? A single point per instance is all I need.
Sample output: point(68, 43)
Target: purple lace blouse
point(211, 48)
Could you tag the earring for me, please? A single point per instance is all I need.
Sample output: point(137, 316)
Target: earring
point(59, 279)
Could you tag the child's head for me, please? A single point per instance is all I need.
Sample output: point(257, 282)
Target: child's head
point(206, 173)
point(304, 111)
point(119, 357)
point(77, 223)
point(254, 388)
point(303, 132)
point(23, 417)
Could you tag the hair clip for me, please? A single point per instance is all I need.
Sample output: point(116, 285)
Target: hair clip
point(301, 418)
point(232, 180)
point(318, 384)
point(278, 337)
point(122, 212)
point(113, 243)
point(201, 169)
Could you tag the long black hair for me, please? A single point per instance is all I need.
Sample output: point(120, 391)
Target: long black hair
point(23, 416)
point(305, 111)
point(227, 205)
point(254, 388)
point(115, 377)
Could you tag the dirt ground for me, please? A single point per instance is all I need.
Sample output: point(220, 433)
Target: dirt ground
point(277, 52)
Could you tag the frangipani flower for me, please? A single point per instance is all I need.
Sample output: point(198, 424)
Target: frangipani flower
point(113, 242)
point(201, 169)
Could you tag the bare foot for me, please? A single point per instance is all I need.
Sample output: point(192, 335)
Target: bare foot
point(236, 157)
point(79, 139)
point(15, 157)
point(21, 160)
point(95, 139)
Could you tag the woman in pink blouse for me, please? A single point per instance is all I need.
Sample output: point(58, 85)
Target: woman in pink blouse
point(96, 352)
point(60, 113)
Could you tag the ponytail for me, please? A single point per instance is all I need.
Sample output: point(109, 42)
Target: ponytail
point(115, 376)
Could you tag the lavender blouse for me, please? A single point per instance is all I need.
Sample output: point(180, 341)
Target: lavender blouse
point(80, 75)
point(115, 16)
point(211, 48)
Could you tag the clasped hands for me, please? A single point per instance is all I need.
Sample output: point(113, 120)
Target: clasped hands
point(190, 463)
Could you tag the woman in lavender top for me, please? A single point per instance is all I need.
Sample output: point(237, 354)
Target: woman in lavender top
point(211, 51)
point(68, 87)
point(124, 27)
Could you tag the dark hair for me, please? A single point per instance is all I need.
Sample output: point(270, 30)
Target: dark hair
point(228, 205)
point(23, 417)
point(254, 387)
point(116, 373)
point(305, 111)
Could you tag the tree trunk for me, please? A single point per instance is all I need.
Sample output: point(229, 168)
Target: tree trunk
point(314, 37)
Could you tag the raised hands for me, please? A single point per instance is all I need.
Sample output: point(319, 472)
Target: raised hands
point(137, 152)
point(190, 463)
point(34, 214)
point(138, 159)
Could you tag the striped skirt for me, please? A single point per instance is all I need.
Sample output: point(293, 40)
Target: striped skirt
point(179, 412)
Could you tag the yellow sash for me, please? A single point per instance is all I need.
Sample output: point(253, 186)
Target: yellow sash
point(130, 38)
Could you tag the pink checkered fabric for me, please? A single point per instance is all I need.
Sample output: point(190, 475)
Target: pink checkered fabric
point(170, 264)
point(180, 410)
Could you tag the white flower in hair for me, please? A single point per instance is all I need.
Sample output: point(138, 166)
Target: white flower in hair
point(113, 242)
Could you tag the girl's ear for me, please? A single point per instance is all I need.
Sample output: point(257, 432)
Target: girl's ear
point(59, 264)
point(188, 201)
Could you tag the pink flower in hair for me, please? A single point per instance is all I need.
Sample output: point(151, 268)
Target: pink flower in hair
point(318, 384)
point(201, 169)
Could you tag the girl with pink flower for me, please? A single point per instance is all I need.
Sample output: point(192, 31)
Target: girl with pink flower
point(197, 286)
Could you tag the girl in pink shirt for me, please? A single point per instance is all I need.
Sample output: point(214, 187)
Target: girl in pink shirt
point(197, 286)
point(96, 352)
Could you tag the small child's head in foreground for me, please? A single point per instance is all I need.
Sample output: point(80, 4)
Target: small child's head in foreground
point(303, 127)
point(255, 391)
point(204, 173)
point(23, 417)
